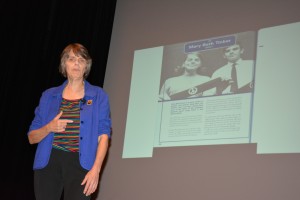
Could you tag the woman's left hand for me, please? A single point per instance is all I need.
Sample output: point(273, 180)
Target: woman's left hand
point(91, 182)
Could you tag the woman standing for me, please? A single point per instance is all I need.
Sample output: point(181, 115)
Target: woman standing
point(72, 127)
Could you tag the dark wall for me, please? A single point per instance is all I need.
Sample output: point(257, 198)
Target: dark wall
point(33, 34)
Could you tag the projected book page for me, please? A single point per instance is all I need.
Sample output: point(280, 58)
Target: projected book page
point(276, 127)
point(196, 105)
point(187, 94)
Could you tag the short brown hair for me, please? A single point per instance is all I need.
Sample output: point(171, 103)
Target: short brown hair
point(78, 50)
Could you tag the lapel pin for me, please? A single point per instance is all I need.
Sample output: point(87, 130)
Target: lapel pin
point(89, 102)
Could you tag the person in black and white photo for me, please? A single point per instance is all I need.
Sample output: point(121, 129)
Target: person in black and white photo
point(187, 84)
point(237, 75)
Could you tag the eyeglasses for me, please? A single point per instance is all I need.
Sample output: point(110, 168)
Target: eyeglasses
point(73, 59)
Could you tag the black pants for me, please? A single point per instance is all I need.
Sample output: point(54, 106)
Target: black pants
point(62, 174)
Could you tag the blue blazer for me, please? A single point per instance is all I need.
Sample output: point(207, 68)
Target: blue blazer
point(94, 121)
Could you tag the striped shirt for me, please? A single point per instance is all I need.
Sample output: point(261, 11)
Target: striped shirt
point(69, 139)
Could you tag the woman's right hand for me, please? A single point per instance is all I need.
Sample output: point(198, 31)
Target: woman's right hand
point(58, 125)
